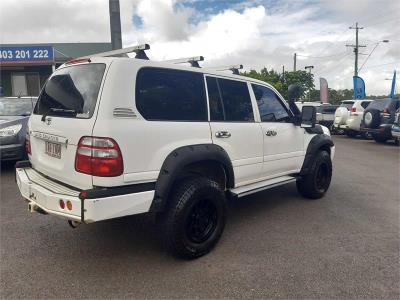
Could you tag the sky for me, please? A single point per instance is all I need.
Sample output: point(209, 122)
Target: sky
point(257, 34)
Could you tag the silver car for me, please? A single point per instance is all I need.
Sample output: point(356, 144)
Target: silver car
point(14, 115)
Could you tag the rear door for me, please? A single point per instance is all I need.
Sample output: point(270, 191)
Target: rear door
point(64, 113)
point(233, 127)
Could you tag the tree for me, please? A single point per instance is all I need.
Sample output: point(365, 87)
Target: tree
point(281, 81)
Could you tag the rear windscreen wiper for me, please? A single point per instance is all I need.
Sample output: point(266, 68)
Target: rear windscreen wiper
point(58, 110)
point(62, 110)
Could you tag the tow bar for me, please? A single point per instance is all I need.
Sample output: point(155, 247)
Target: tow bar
point(74, 224)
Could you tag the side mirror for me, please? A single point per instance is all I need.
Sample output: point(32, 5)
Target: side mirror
point(308, 117)
point(294, 92)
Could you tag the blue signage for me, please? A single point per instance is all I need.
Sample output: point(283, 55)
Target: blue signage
point(26, 55)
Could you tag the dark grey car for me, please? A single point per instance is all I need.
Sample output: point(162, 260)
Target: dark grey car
point(14, 115)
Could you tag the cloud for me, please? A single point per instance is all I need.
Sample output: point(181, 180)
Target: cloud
point(255, 33)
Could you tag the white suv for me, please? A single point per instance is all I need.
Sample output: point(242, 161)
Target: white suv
point(113, 136)
point(352, 127)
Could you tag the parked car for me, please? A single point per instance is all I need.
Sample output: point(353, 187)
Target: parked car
point(379, 117)
point(396, 127)
point(326, 115)
point(341, 115)
point(155, 140)
point(14, 115)
point(352, 127)
point(325, 112)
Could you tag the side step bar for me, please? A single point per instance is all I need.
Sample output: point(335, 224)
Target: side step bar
point(261, 186)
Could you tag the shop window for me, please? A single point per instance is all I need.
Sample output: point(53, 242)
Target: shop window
point(25, 84)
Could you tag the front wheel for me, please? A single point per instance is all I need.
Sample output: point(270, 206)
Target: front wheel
point(315, 184)
point(195, 218)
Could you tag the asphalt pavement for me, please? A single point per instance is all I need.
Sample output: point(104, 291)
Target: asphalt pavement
point(275, 244)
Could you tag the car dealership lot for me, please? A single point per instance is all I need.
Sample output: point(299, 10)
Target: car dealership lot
point(275, 244)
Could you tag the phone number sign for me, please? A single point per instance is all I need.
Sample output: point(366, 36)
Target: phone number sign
point(26, 55)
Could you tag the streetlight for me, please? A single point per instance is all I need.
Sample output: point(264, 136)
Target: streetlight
point(309, 71)
point(377, 44)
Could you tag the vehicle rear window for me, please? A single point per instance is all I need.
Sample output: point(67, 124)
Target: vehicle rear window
point(326, 109)
point(379, 104)
point(365, 104)
point(229, 100)
point(71, 92)
point(171, 95)
point(347, 104)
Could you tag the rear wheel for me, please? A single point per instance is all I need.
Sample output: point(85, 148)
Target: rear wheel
point(379, 138)
point(195, 219)
point(351, 133)
point(315, 184)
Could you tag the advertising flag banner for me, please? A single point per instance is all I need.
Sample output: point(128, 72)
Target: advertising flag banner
point(323, 90)
point(359, 88)
point(393, 90)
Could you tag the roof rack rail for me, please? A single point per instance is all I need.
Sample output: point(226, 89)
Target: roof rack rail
point(193, 61)
point(234, 68)
point(139, 50)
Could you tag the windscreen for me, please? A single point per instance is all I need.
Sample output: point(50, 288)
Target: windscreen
point(71, 92)
point(16, 107)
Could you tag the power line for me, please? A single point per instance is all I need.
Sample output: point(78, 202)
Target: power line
point(327, 56)
point(366, 59)
point(384, 64)
point(338, 63)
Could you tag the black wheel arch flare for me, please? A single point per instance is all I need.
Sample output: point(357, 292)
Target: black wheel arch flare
point(318, 142)
point(181, 157)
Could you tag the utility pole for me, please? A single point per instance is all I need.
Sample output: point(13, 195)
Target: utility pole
point(294, 62)
point(115, 24)
point(283, 73)
point(356, 46)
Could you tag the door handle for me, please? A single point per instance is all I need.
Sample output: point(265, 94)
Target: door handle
point(271, 132)
point(223, 134)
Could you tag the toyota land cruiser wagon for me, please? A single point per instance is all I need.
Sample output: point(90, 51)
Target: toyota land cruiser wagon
point(114, 136)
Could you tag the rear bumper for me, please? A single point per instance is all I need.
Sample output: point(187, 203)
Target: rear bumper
point(12, 152)
point(384, 130)
point(44, 195)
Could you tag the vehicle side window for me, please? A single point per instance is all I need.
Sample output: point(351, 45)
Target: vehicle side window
point(171, 95)
point(229, 100)
point(364, 104)
point(270, 106)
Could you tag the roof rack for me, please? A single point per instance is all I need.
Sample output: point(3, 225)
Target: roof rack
point(139, 50)
point(234, 68)
point(193, 61)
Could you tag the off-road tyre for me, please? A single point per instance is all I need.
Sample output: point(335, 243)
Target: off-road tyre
point(351, 133)
point(379, 138)
point(194, 219)
point(315, 184)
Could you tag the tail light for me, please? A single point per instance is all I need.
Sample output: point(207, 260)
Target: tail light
point(28, 147)
point(98, 156)
point(353, 109)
